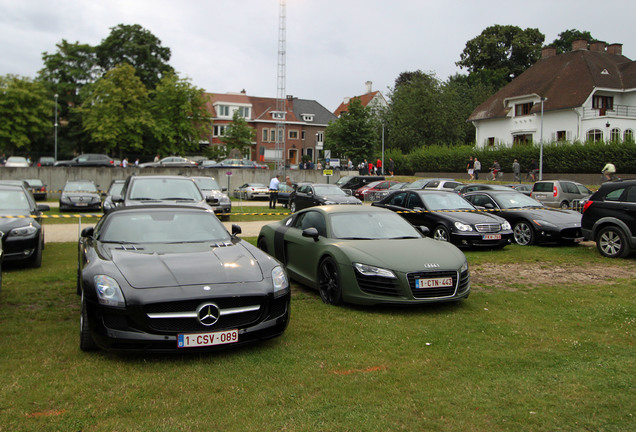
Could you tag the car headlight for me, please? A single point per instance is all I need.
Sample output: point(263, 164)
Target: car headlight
point(463, 227)
point(464, 267)
point(65, 199)
point(25, 231)
point(543, 223)
point(281, 284)
point(108, 291)
point(506, 226)
point(368, 270)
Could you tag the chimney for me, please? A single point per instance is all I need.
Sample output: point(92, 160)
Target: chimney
point(597, 46)
point(579, 44)
point(243, 91)
point(369, 87)
point(547, 52)
point(615, 48)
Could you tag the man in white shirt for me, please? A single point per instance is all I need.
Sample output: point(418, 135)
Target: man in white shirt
point(273, 191)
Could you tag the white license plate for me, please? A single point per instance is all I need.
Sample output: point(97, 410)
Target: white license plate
point(434, 283)
point(81, 204)
point(207, 339)
point(491, 237)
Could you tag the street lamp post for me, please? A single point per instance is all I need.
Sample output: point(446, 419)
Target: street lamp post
point(55, 154)
point(541, 151)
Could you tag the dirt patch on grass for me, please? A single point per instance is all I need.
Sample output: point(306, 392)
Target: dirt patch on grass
point(511, 276)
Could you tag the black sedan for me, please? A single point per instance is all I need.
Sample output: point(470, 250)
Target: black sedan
point(80, 195)
point(311, 194)
point(21, 225)
point(449, 217)
point(531, 221)
point(169, 278)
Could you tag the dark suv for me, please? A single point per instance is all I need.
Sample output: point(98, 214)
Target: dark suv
point(609, 218)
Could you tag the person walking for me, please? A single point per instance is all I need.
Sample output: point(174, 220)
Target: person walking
point(534, 169)
point(378, 165)
point(476, 168)
point(391, 166)
point(516, 170)
point(470, 168)
point(273, 191)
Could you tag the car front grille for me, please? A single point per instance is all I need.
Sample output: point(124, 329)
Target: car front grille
point(377, 285)
point(488, 227)
point(432, 293)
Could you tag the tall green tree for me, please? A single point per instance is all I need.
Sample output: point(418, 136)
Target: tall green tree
point(26, 109)
point(354, 134)
point(138, 47)
point(116, 112)
point(239, 135)
point(181, 116)
point(505, 50)
point(563, 43)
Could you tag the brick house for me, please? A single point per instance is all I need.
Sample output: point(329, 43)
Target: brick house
point(305, 123)
point(370, 98)
point(587, 94)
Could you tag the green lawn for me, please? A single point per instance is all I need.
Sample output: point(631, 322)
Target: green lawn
point(558, 355)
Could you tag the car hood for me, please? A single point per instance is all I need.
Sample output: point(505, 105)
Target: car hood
point(205, 264)
point(472, 218)
point(339, 199)
point(22, 219)
point(405, 255)
point(562, 218)
point(80, 194)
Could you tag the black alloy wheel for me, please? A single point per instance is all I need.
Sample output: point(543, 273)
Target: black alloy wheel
point(86, 340)
point(441, 233)
point(329, 282)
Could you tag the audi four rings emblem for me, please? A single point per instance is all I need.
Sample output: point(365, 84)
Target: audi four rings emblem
point(208, 314)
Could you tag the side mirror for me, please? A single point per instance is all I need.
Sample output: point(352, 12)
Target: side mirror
point(489, 206)
point(311, 233)
point(88, 232)
point(236, 229)
point(117, 198)
point(223, 189)
point(42, 207)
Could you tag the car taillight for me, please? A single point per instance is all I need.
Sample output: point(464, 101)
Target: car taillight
point(586, 206)
point(554, 194)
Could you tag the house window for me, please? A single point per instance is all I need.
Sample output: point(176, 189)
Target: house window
point(595, 135)
point(244, 112)
point(523, 109)
point(265, 135)
point(219, 130)
point(223, 110)
point(302, 134)
point(308, 117)
point(603, 103)
point(319, 137)
point(522, 139)
point(293, 134)
point(628, 135)
point(561, 136)
point(615, 135)
point(278, 115)
point(491, 141)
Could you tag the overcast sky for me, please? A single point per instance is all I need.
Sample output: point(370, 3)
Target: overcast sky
point(332, 46)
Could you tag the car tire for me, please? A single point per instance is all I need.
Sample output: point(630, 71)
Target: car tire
point(292, 207)
point(86, 339)
point(441, 233)
point(564, 205)
point(612, 242)
point(523, 233)
point(262, 244)
point(329, 282)
point(36, 259)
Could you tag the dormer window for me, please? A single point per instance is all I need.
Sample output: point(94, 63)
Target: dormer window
point(278, 115)
point(308, 117)
point(523, 109)
point(223, 110)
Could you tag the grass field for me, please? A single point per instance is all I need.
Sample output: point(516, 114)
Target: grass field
point(554, 355)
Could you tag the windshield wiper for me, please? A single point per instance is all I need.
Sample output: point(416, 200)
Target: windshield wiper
point(177, 199)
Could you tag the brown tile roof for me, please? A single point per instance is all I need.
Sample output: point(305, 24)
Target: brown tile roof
point(364, 99)
point(565, 80)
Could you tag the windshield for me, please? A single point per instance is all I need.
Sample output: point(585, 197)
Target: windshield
point(343, 180)
point(329, 190)
point(80, 187)
point(14, 200)
point(182, 189)
point(171, 226)
point(207, 183)
point(447, 201)
point(516, 200)
point(371, 225)
point(115, 188)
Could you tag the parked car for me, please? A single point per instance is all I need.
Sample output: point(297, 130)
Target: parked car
point(365, 255)
point(311, 194)
point(115, 188)
point(424, 182)
point(525, 189)
point(45, 161)
point(88, 160)
point(38, 188)
point(449, 217)
point(531, 221)
point(171, 278)
point(170, 162)
point(80, 195)
point(353, 183)
point(17, 162)
point(162, 189)
point(609, 218)
point(559, 193)
point(210, 188)
point(237, 163)
point(250, 191)
point(471, 187)
point(22, 231)
point(284, 191)
point(399, 186)
point(209, 163)
point(374, 190)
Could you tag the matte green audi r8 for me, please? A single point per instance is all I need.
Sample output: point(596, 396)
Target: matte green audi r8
point(366, 255)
